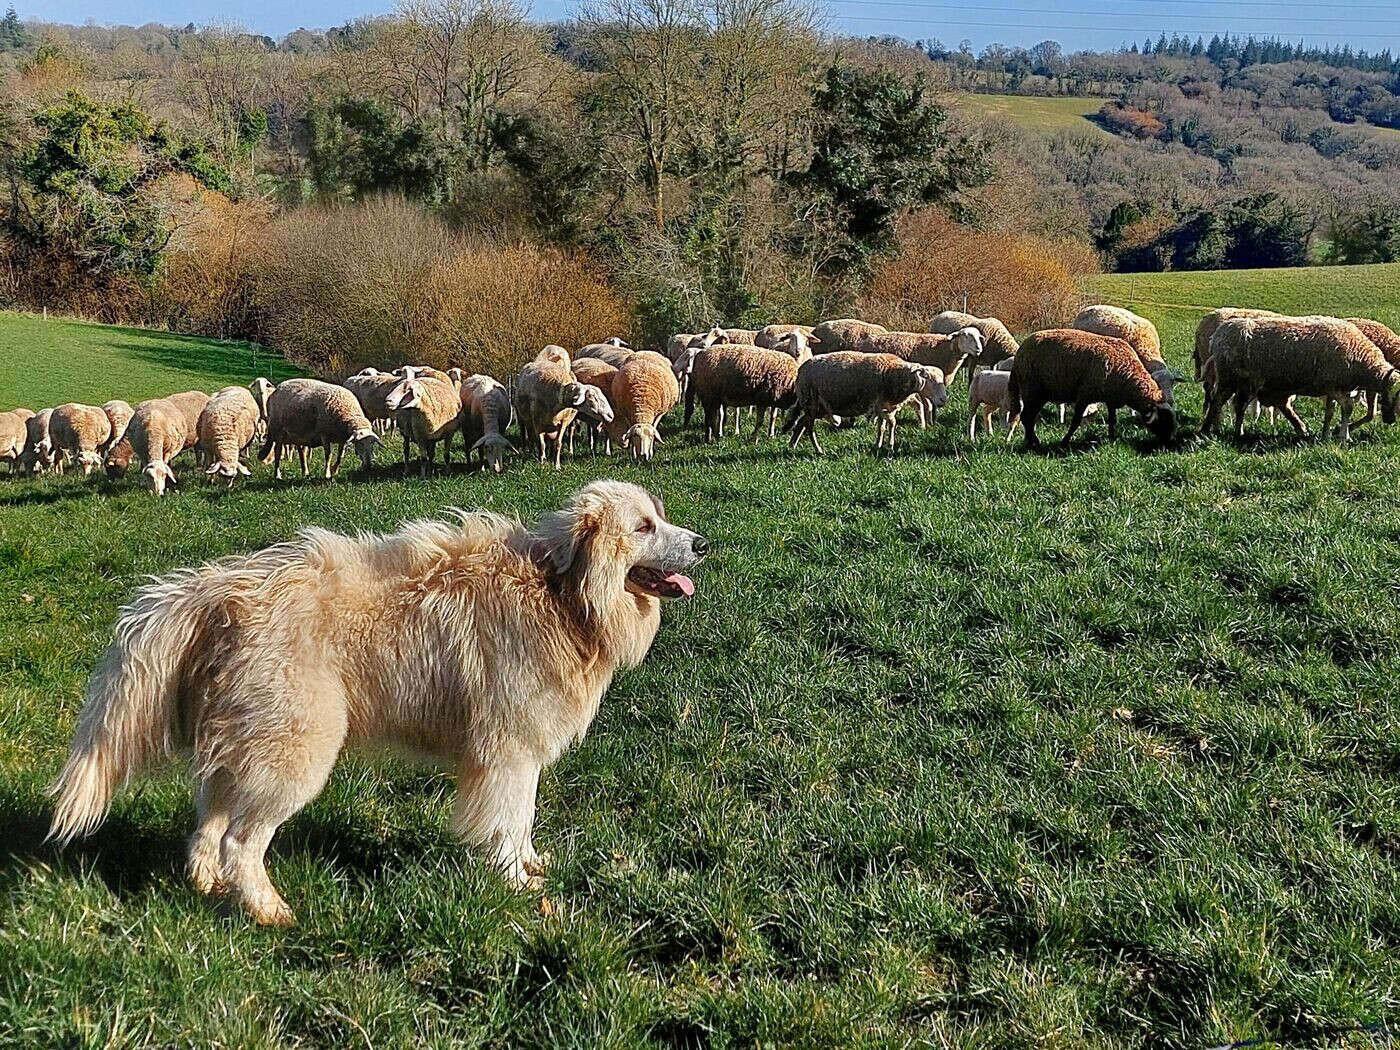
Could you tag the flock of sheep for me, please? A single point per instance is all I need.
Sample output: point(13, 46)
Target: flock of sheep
point(838, 371)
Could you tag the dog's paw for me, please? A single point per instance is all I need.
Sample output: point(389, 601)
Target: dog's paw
point(536, 863)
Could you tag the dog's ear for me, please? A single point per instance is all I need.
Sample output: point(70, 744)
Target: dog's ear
point(569, 539)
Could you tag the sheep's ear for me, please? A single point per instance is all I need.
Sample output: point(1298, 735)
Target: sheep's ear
point(244, 471)
point(578, 396)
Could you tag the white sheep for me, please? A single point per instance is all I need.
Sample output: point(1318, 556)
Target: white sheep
point(547, 398)
point(14, 435)
point(261, 388)
point(225, 428)
point(850, 383)
point(486, 415)
point(159, 431)
point(428, 410)
point(78, 432)
point(303, 413)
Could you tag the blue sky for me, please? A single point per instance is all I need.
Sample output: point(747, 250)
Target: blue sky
point(1371, 24)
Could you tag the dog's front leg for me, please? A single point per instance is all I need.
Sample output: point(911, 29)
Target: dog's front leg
point(495, 810)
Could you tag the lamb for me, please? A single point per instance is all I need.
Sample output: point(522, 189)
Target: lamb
point(307, 412)
point(1082, 368)
point(850, 383)
point(14, 435)
point(160, 431)
point(1270, 358)
point(945, 352)
point(744, 376)
point(77, 432)
point(644, 390)
point(486, 414)
point(1207, 327)
point(428, 410)
point(1388, 343)
point(771, 336)
point(833, 337)
point(547, 398)
point(119, 415)
point(372, 388)
point(988, 394)
point(1139, 333)
point(997, 341)
point(38, 455)
point(225, 428)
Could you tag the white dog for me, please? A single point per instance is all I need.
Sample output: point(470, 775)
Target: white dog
point(480, 644)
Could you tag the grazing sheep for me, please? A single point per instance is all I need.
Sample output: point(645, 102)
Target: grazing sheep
point(428, 410)
point(14, 435)
point(771, 336)
point(159, 431)
point(486, 416)
point(833, 337)
point(850, 383)
point(77, 432)
point(1270, 358)
point(224, 429)
point(1083, 368)
point(945, 352)
point(1388, 343)
point(303, 413)
point(997, 341)
point(38, 454)
point(1207, 326)
point(372, 389)
point(1139, 333)
point(119, 415)
point(547, 398)
point(744, 377)
point(261, 388)
point(644, 390)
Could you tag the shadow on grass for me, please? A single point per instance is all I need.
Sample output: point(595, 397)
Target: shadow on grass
point(198, 355)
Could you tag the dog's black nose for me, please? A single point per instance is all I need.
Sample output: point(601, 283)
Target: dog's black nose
point(700, 546)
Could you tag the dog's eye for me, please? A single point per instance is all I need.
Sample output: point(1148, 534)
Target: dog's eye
point(647, 526)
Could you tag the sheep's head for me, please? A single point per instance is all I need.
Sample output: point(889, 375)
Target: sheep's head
point(713, 336)
point(364, 443)
point(685, 363)
point(262, 389)
point(230, 472)
point(157, 476)
point(1390, 397)
point(456, 375)
point(407, 394)
point(89, 461)
point(642, 440)
point(933, 388)
point(494, 449)
point(555, 354)
point(794, 343)
point(1161, 421)
point(1004, 365)
point(969, 342)
point(617, 341)
point(595, 405)
point(572, 395)
point(1166, 381)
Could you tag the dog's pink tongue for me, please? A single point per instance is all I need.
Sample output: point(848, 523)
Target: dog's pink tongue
point(683, 582)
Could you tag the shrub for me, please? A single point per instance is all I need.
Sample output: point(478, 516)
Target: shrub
point(1029, 282)
point(382, 282)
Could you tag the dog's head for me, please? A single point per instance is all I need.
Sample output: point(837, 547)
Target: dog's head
point(614, 537)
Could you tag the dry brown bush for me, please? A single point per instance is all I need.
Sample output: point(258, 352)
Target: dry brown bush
point(382, 282)
point(1029, 282)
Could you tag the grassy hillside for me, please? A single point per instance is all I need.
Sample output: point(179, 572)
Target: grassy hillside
point(75, 361)
point(1040, 114)
point(960, 747)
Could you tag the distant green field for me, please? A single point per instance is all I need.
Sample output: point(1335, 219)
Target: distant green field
point(60, 360)
point(1042, 114)
point(962, 747)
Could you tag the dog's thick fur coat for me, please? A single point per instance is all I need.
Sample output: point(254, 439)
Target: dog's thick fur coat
point(478, 643)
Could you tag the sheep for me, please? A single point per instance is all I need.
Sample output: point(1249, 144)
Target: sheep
point(605, 352)
point(224, 429)
point(997, 341)
point(261, 388)
point(1139, 333)
point(945, 352)
point(308, 412)
point(486, 414)
point(428, 371)
point(832, 337)
point(988, 394)
point(1081, 368)
point(644, 390)
point(744, 376)
point(77, 432)
point(547, 398)
point(1270, 358)
point(372, 388)
point(770, 336)
point(736, 336)
point(38, 455)
point(1206, 328)
point(119, 415)
point(159, 431)
point(850, 383)
point(594, 414)
point(592, 372)
point(1388, 343)
point(428, 410)
point(14, 435)
point(682, 341)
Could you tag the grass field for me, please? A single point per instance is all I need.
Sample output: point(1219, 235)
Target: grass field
point(961, 747)
point(1040, 114)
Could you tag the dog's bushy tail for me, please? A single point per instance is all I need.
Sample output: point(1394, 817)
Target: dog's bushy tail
point(128, 721)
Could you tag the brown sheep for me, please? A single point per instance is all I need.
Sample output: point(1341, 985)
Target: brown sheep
point(1207, 325)
point(303, 413)
point(770, 336)
point(372, 389)
point(119, 415)
point(428, 410)
point(644, 390)
point(850, 384)
point(741, 377)
point(1388, 343)
point(997, 341)
point(1083, 368)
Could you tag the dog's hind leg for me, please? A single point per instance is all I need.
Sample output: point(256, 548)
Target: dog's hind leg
point(495, 810)
point(211, 816)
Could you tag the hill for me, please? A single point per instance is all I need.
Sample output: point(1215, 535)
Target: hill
point(959, 746)
point(1040, 114)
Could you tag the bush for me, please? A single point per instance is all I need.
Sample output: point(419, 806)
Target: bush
point(382, 282)
point(1029, 282)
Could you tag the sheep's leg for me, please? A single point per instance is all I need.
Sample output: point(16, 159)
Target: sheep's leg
point(301, 454)
point(812, 433)
point(407, 456)
point(1080, 408)
point(1329, 405)
point(1062, 412)
point(1030, 415)
point(713, 416)
point(1372, 400)
point(558, 449)
point(544, 449)
point(1239, 403)
point(1112, 422)
point(326, 451)
point(1290, 413)
point(757, 425)
point(447, 449)
point(773, 422)
point(425, 465)
point(277, 460)
point(1344, 426)
point(921, 410)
